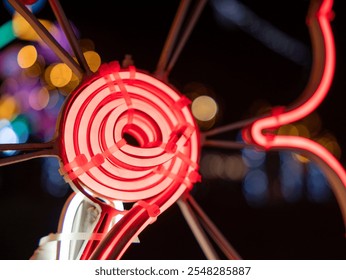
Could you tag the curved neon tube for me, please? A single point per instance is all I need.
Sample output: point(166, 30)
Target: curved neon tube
point(97, 161)
point(256, 133)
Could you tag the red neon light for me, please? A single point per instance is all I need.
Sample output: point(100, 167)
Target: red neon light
point(256, 133)
point(97, 160)
point(28, 2)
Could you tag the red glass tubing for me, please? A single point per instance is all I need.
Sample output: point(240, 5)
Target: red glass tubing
point(262, 131)
point(96, 159)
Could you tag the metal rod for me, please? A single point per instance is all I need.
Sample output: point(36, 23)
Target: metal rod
point(226, 144)
point(214, 232)
point(47, 37)
point(172, 36)
point(190, 25)
point(229, 127)
point(70, 35)
point(26, 146)
point(25, 157)
point(197, 230)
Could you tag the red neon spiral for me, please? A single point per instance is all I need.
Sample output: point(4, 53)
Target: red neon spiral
point(96, 157)
point(97, 160)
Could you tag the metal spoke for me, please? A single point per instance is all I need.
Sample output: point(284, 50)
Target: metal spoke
point(214, 232)
point(172, 36)
point(26, 146)
point(225, 144)
point(25, 157)
point(70, 35)
point(47, 37)
point(229, 127)
point(190, 25)
point(174, 46)
point(197, 230)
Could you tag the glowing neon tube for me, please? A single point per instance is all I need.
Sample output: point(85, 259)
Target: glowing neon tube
point(320, 81)
point(96, 159)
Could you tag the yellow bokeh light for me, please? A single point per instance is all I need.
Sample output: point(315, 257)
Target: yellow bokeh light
point(70, 86)
point(204, 108)
point(303, 131)
point(301, 158)
point(46, 76)
point(291, 129)
point(8, 107)
point(35, 70)
point(27, 56)
point(24, 31)
point(60, 75)
point(93, 59)
point(330, 143)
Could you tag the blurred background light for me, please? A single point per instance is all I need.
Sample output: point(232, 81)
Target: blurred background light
point(255, 187)
point(329, 141)
point(291, 177)
point(35, 7)
point(39, 98)
point(27, 56)
point(8, 107)
point(233, 13)
point(234, 168)
point(8, 62)
point(6, 34)
point(93, 59)
point(7, 136)
point(204, 108)
point(60, 75)
point(21, 127)
point(318, 189)
point(23, 30)
point(52, 182)
point(253, 158)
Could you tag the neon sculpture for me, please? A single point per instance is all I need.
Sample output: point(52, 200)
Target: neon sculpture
point(160, 165)
point(96, 158)
point(260, 132)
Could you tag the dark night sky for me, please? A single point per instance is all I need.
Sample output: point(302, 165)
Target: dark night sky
point(241, 71)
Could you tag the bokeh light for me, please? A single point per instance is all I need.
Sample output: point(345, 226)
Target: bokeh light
point(291, 177)
point(93, 59)
point(330, 143)
point(8, 62)
point(318, 189)
point(234, 168)
point(7, 136)
point(27, 56)
point(7, 34)
point(72, 84)
point(23, 30)
point(35, 7)
point(255, 187)
point(220, 166)
point(39, 98)
point(253, 158)
point(204, 108)
point(21, 127)
point(8, 107)
point(232, 13)
point(60, 75)
point(52, 182)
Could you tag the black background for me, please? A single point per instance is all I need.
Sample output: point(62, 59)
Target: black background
point(241, 71)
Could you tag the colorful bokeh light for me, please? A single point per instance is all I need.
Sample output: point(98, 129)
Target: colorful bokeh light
point(204, 108)
point(27, 56)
